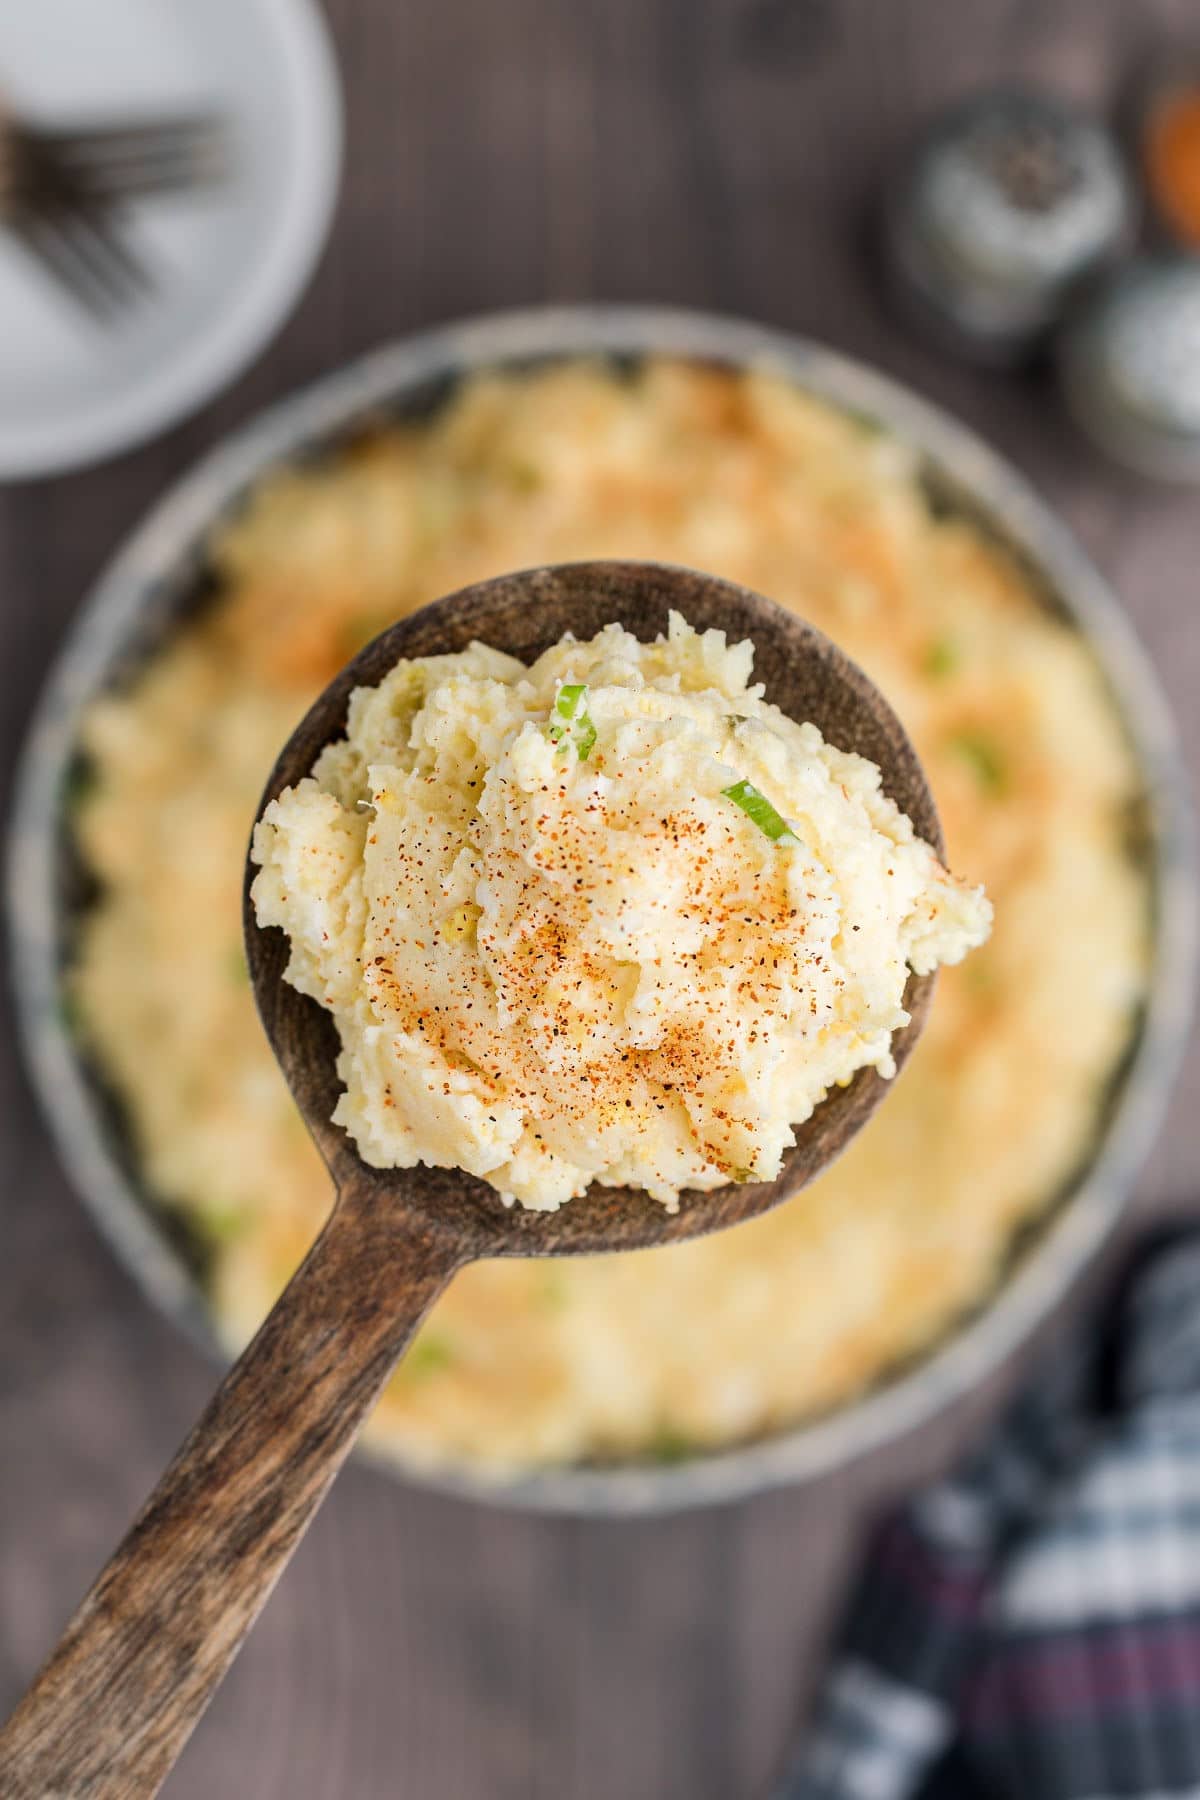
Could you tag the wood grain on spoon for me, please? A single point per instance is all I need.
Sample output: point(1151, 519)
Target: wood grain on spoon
point(113, 1707)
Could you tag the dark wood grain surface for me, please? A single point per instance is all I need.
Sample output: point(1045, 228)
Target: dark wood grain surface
point(719, 153)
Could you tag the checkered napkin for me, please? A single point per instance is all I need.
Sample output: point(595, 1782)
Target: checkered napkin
point(1032, 1623)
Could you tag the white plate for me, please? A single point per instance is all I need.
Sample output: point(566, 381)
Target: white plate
point(230, 261)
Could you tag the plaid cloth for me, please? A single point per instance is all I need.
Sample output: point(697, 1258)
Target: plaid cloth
point(1031, 1625)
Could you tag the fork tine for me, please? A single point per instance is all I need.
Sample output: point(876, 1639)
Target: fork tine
point(73, 229)
point(45, 244)
point(138, 183)
point(116, 141)
point(130, 178)
point(128, 162)
point(78, 242)
point(98, 238)
point(198, 149)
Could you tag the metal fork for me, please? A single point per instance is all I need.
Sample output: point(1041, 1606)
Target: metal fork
point(61, 191)
point(127, 159)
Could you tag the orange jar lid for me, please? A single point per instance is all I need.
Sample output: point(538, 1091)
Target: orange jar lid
point(1171, 153)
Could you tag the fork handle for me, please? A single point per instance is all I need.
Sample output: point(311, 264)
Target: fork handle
point(115, 1704)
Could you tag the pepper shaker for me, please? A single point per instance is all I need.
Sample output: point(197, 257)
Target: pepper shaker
point(1002, 208)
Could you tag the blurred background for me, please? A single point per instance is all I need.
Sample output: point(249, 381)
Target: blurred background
point(728, 155)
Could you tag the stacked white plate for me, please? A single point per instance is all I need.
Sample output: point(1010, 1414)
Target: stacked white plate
point(229, 261)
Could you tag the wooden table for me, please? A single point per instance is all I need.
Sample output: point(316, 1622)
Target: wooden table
point(716, 153)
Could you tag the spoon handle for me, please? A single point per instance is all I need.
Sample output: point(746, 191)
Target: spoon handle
point(115, 1704)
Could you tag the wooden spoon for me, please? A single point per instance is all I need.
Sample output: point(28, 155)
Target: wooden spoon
point(113, 1707)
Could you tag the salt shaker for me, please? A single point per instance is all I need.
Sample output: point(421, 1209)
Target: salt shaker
point(1005, 204)
point(1130, 366)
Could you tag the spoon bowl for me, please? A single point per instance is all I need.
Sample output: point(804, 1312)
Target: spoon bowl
point(138, 1663)
point(804, 674)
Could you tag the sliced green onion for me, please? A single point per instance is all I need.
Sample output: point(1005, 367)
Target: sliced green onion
point(571, 722)
point(942, 658)
point(70, 1012)
point(82, 780)
point(429, 1354)
point(984, 756)
point(223, 1224)
point(760, 812)
point(670, 1445)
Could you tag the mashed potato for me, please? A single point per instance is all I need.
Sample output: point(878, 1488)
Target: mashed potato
point(696, 1344)
point(610, 918)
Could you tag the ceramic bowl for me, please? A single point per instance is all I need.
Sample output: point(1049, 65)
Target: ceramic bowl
point(154, 577)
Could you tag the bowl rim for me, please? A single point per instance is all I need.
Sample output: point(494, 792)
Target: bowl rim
point(1071, 1232)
